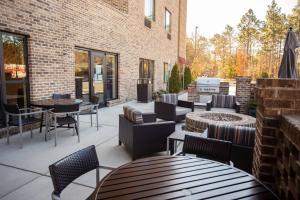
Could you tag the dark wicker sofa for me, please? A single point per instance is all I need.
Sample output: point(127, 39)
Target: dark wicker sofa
point(171, 109)
point(146, 137)
point(243, 140)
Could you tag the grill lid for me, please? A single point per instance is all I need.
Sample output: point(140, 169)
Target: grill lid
point(204, 81)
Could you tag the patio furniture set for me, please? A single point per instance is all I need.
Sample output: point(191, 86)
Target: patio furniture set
point(61, 111)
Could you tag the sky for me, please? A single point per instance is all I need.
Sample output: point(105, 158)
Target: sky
point(211, 16)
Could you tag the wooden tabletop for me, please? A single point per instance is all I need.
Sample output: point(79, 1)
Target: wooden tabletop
point(49, 103)
point(181, 177)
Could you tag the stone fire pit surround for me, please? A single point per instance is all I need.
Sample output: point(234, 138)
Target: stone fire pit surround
point(199, 121)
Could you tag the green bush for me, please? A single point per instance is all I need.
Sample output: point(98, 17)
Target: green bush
point(175, 80)
point(156, 94)
point(187, 77)
point(264, 75)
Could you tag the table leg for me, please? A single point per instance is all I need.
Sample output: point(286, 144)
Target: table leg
point(171, 147)
point(42, 121)
point(47, 127)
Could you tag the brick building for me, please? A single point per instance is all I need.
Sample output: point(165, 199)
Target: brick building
point(87, 47)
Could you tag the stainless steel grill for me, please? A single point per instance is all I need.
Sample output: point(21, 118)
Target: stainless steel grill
point(208, 85)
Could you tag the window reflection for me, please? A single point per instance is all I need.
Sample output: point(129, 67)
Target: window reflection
point(13, 57)
point(149, 9)
point(82, 73)
point(111, 84)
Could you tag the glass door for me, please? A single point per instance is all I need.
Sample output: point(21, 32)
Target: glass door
point(13, 70)
point(82, 75)
point(98, 72)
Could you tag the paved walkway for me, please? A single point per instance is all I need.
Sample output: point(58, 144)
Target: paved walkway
point(24, 172)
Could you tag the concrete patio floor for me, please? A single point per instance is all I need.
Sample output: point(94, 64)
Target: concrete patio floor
point(24, 172)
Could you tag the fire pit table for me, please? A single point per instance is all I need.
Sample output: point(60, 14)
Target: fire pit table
point(199, 121)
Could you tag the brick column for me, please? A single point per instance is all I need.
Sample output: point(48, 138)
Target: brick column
point(192, 92)
point(243, 92)
point(274, 98)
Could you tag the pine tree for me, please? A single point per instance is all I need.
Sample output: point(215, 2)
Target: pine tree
point(187, 76)
point(175, 80)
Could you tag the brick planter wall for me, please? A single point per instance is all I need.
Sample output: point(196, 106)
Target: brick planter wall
point(243, 92)
point(275, 97)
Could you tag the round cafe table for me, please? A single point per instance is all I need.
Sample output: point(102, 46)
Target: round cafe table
point(181, 177)
point(49, 103)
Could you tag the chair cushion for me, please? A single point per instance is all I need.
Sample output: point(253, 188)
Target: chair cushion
point(182, 110)
point(225, 110)
point(223, 101)
point(169, 98)
point(133, 114)
point(239, 135)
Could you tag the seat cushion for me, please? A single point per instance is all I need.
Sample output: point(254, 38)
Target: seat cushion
point(169, 98)
point(65, 120)
point(133, 114)
point(225, 110)
point(182, 110)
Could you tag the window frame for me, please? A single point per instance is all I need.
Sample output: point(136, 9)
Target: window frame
point(166, 70)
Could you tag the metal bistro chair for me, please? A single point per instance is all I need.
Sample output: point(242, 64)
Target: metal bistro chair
point(20, 117)
point(92, 109)
point(213, 149)
point(65, 115)
point(54, 96)
point(66, 170)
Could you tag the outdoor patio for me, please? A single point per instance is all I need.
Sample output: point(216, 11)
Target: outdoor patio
point(24, 172)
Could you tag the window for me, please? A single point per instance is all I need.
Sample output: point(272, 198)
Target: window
point(150, 9)
point(166, 72)
point(13, 65)
point(168, 21)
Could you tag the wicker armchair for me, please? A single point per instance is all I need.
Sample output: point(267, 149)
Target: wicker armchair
point(213, 149)
point(171, 109)
point(243, 140)
point(226, 103)
point(146, 136)
point(80, 163)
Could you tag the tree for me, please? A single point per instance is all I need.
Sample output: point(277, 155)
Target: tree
point(175, 80)
point(187, 76)
point(248, 35)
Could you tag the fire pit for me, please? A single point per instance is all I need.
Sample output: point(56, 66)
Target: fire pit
point(199, 121)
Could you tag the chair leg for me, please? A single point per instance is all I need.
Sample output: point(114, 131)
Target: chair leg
point(91, 116)
point(21, 132)
point(97, 120)
point(120, 143)
point(31, 133)
point(97, 176)
point(47, 127)
point(76, 127)
point(7, 134)
point(55, 132)
point(73, 130)
point(41, 124)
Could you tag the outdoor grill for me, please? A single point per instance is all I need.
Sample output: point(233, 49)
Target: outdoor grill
point(206, 87)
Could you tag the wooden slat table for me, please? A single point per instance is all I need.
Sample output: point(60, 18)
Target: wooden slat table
point(187, 178)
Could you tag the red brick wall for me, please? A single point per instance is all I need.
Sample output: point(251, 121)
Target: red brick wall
point(243, 92)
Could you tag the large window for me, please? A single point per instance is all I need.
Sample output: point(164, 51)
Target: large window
point(150, 9)
point(168, 21)
point(96, 74)
point(13, 70)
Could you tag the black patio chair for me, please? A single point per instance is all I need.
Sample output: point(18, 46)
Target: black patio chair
point(91, 109)
point(20, 117)
point(65, 115)
point(66, 170)
point(213, 149)
point(54, 96)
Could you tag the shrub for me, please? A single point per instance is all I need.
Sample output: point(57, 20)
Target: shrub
point(156, 94)
point(187, 77)
point(175, 80)
point(264, 75)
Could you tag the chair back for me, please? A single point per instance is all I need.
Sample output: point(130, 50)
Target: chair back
point(243, 141)
point(95, 100)
point(12, 108)
point(223, 101)
point(61, 96)
point(65, 108)
point(213, 149)
point(169, 98)
point(73, 166)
